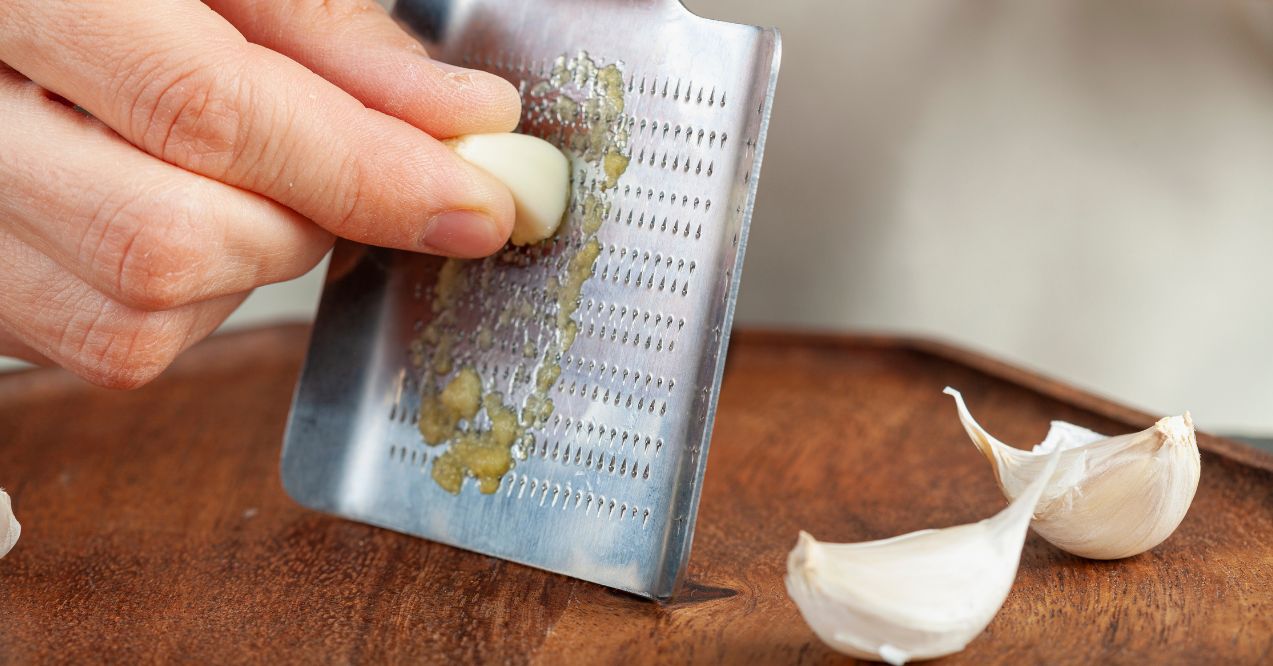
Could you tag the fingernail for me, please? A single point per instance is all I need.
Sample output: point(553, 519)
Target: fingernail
point(461, 233)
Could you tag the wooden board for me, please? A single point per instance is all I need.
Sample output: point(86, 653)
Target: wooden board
point(156, 530)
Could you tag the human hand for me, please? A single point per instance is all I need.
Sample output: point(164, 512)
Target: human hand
point(228, 143)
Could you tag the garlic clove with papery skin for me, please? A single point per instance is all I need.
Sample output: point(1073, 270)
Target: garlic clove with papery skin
point(1111, 497)
point(921, 595)
point(10, 530)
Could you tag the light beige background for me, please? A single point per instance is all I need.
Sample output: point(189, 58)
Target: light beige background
point(1080, 186)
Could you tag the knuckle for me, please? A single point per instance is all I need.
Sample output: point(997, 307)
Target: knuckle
point(121, 350)
point(191, 113)
point(349, 198)
point(151, 252)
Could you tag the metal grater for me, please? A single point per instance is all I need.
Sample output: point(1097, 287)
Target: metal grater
point(604, 485)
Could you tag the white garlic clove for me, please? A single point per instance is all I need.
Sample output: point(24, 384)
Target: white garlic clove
point(1111, 497)
point(533, 170)
point(921, 595)
point(10, 530)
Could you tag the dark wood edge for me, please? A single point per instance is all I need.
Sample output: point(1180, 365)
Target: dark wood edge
point(953, 353)
point(1029, 379)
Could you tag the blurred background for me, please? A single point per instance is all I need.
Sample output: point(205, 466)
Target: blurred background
point(1080, 187)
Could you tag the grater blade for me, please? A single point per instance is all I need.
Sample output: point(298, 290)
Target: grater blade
point(663, 114)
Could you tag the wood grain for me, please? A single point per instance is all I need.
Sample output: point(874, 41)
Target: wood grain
point(155, 528)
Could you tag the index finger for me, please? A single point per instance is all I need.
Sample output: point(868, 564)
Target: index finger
point(357, 46)
point(179, 82)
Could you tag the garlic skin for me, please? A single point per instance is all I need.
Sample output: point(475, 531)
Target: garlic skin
point(921, 595)
point(10, 530)
point(533, 170)
point(1111, 497)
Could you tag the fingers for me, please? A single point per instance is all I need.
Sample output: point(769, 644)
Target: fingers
point(357, 46)
point(13, 347)
point(59, 317)
point(178, 81)
point(145, 233)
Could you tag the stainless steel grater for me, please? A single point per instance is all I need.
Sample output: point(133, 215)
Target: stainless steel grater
point(664, 116)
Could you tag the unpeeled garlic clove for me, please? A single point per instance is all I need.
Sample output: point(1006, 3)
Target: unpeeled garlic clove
point(921, 595)
point(533, 170)
point(1111, 497)
point(10, 530)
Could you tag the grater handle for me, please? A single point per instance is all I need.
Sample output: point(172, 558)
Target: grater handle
point(428, 19)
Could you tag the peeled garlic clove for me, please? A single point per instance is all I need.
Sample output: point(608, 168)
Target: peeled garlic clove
point(921, 595)
point(1111, 497)
point(537, 174)
point(9, 527)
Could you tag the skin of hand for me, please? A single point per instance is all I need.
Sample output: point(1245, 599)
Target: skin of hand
point(217, 147)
